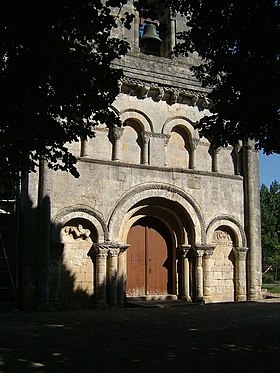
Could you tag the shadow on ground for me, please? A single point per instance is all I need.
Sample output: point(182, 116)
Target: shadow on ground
point(242, 337)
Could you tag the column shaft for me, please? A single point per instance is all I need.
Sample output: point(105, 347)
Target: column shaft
point(101, 274)
point(113, 276)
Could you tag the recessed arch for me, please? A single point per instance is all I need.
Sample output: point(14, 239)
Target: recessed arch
point(82, 212)
point(227, 221)
point(169, 195)
point(180, 121)
point(139, 117)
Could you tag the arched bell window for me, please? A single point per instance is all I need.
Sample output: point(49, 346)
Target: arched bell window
point(155, 29)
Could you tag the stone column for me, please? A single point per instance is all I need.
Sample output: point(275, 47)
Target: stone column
point(186, 273)
point(215, 159)
point(208, 251)
point(136, 45)
point(240, 273)
point(84, 148)
point(237, 159)
point(173, 31)
point(252, 218)
point(56, 251)
point(199, 275)
point(166, 140)
point(121, 277)
point(44, 239)
point(113, 254)
point(145, 154)
point(117, 132)
point(101, 251)
point(194, 144)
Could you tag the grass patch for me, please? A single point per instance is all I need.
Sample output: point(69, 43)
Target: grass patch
point(274, 289)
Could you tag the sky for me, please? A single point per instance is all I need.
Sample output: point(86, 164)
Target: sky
point(269, 168)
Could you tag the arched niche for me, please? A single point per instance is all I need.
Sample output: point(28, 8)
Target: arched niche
point(179, 151)
point(131, 142)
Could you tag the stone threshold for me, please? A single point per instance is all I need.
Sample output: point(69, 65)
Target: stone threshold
point(156, 301)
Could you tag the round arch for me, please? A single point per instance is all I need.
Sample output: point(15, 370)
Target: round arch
point(183, 122)
point(139, 117)
point(230, 222)
point(173, 198)
point(82, 212)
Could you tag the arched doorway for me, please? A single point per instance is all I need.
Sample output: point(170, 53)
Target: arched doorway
point(150, 259)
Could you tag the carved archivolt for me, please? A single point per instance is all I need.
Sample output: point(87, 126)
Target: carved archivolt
point(139, 116)
point(229, 221)
point(182, 121)
point(155, 190)
point(79, 212)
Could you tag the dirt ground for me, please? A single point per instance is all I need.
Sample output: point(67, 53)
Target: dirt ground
point(157, 337)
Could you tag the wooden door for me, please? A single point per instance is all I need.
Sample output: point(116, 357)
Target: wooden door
point(148, 258)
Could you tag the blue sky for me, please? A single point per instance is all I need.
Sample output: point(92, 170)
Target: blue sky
point(269, 168)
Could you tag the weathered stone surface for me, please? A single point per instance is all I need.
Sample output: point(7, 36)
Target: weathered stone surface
point(156, 165)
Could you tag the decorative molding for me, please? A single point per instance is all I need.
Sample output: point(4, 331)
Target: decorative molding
point(241, 252)
point(165, 187)
point(142, 89)
point(233, 220)
point(62, 217)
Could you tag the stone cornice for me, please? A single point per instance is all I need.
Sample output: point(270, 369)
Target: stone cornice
point(165, 169)
point(158, 92)
point(159, 78)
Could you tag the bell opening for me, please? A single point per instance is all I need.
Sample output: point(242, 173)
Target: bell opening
point(150, 41)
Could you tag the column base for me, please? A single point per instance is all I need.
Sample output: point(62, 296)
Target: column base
point(101, 305)
point(200, 300)
point(241, 298)
point(186, 298)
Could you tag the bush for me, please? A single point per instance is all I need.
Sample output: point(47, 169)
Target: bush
point(268, 278)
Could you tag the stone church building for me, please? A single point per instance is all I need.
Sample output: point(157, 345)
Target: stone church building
point(157, 212)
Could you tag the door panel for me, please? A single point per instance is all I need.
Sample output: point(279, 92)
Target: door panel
point(148, 257)
point(156, 251)
point(136, 261)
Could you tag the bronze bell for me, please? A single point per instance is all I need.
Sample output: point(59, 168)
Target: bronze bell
point(150, 42)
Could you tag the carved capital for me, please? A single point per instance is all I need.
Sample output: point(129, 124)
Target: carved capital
point(146, 137)
point(166, 139)
point(101, 250)
point(240, 252)
point(113, 252)
point(195, 142)
point(123, 247)
point(184, 250)
point(208, 251)
point(117, 133)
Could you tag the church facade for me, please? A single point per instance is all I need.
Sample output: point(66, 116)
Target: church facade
point(157, 212)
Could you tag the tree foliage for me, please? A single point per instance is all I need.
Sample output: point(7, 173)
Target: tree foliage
point(238, 42)
point(270, 218)
point(56, 78)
